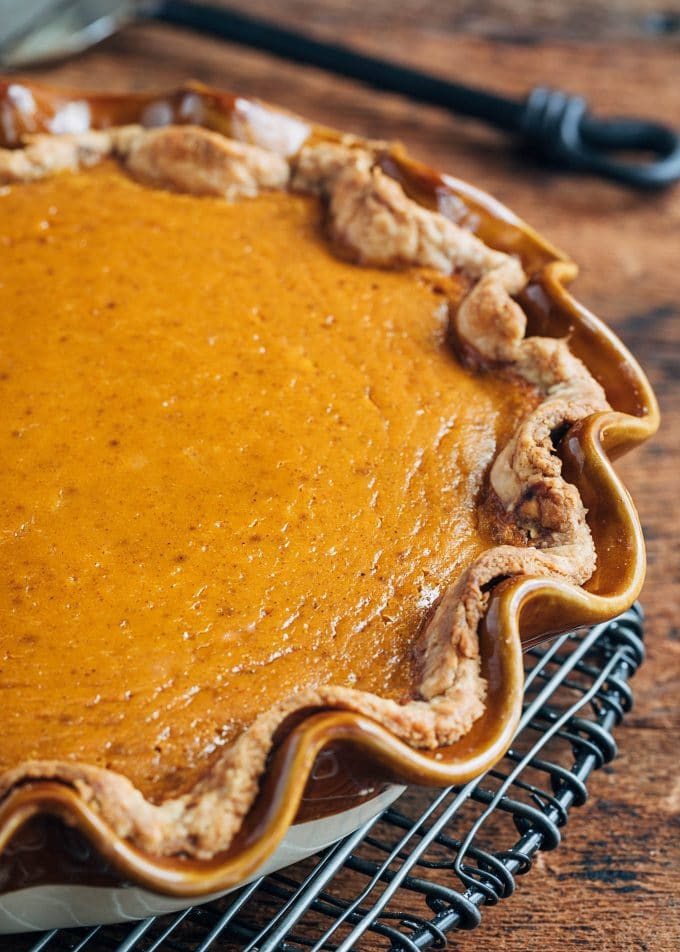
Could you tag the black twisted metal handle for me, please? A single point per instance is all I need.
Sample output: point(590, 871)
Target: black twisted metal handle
point(557, 127)
point(560, 127)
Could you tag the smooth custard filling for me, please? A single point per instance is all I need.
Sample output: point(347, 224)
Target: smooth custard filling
point(233, 465)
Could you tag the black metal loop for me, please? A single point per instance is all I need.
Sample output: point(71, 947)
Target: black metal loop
point(626, 633)
point(518, 858)
point(398, 939)
point(540, 797)
point(529, 819)
point(560, 128)
point(491, 863)
point(580, 745)
point(417, 923)
point(474, 878)
point(596, 741)
point(615, 685)
point(599, 735)
point(468, 913)
point(560, 779)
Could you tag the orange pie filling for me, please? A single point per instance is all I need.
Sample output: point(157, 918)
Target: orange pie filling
point(234, 465)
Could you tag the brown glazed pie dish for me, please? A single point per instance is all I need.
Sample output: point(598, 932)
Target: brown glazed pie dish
point(444, 414)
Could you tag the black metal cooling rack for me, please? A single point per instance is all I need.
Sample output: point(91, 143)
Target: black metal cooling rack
point(443, 862)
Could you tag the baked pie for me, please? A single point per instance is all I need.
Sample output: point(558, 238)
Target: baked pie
point(273, 432)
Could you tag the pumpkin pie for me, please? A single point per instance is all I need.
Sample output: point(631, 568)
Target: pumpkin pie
point(272, 431)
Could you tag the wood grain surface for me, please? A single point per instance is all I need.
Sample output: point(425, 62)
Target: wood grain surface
point(615, 882)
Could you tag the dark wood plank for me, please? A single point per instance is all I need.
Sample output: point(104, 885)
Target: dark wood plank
point(614, 883)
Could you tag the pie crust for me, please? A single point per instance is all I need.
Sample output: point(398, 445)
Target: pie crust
point(372, 220)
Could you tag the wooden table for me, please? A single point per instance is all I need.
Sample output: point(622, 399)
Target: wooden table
point(621, 890)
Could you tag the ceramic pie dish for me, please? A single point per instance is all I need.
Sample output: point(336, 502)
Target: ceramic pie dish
point(306, 442)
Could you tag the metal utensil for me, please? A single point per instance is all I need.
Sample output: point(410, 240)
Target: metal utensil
point(557, 127)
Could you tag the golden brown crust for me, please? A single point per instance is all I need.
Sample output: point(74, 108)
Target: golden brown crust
point(45, 155)
point(373, 219)
point(200, 162)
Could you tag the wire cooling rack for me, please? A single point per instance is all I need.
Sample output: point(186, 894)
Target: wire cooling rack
point(411, 876)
